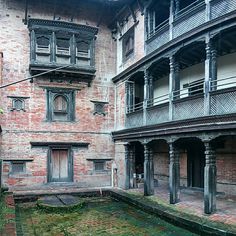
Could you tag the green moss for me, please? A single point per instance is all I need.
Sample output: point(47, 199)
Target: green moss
point(4, 210)
point(99, 216)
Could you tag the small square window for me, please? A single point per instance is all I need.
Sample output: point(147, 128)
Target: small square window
point(128, 44)
point(17, 167)
point(18, 104)
point(99, 166)
point(99, 108)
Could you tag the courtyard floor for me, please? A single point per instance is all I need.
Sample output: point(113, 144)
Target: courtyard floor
point(191, 201)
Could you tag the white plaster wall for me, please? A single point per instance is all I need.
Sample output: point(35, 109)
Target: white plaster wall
point(189, 75)
point(226, 69)
point(161, 87)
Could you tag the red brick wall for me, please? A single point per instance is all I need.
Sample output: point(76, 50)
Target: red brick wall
point(226, 167)
point(22, 127)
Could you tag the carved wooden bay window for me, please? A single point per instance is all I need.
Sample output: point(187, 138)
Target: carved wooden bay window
point(56, 43)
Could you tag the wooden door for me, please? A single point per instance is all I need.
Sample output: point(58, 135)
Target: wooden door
point(60, 166)
point(196, 163)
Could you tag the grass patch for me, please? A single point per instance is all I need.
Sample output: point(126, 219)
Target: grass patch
point(99, 216)
point(4, 210)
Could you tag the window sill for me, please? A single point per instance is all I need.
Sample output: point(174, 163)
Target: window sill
point(19, 175)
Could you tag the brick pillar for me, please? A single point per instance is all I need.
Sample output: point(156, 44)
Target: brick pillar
point(1, 67)
point(148, 171)
point(0, 177)
point(132, 166)
point(174, 174)
point(127, 166)
point(209, 180)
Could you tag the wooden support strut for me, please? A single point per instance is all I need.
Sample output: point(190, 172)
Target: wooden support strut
point(26, 12)
point(132, 13)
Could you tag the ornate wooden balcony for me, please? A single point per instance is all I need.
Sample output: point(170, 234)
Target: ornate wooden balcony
point(188, 21)
point(185, 104)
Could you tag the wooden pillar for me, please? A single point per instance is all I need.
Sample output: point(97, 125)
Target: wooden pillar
point(32, 46)
point(53, 48)
point(171, 86)
point(208, 75)
point(208, 10)
point(213, 81)
point(146, 96)
point(151, 91)
point(171, 18)
point(174, 174)
point(127, 166)
point(209, 179)
point(148, 171)
point(177, 6)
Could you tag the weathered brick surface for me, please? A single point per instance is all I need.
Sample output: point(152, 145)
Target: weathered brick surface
point(120, 164)
point(22, 127)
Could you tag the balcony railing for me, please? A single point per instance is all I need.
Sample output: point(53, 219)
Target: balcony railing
point(186, 103)
point(187, 20)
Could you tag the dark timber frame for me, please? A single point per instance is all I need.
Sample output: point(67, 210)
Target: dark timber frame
point(74, 33)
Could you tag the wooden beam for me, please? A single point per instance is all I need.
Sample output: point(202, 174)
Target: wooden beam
point(101, 15)
point(26, 12)
point(141, 8)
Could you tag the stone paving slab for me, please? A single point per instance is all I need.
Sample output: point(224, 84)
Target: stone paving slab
point(59, 200)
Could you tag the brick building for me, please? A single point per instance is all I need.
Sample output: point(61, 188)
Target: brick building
point(57, 127)
point(134, 91)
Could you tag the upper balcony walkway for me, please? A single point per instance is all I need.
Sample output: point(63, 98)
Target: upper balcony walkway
point(186, 103)
point(192, 19)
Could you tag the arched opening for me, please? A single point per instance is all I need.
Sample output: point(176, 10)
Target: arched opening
point(60, 108)
point(137, 177)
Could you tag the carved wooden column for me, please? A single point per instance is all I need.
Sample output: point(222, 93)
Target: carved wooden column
point(151, 91)
point(208, 10)
point(177, 6)
point(146, 96)
point(174, 174)
point(208, 75)
point(148, 171)
point(127, 166)
point(53, 48)
point(171, 18)
point(32, 46)
point(213, 70)
point(209, 179)
point(171, 86)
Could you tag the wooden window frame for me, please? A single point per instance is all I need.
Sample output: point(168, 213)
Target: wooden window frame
point(103, 162)
point(128, 53)
point(14, 172)
point(69, 95)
